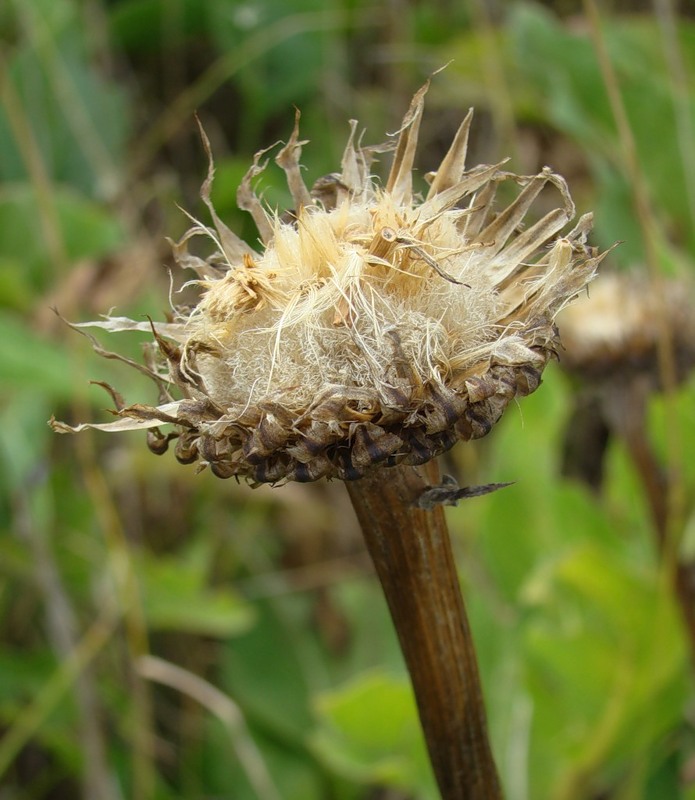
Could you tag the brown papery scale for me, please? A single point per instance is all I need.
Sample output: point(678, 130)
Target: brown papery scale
point(371, 331)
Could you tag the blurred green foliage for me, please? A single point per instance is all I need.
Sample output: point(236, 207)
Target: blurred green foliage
point(266, 595)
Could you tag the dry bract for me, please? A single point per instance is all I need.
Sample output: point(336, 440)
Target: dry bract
point(373, 327)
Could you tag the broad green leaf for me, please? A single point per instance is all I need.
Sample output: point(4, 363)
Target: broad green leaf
point(178, 597)
point(369, 731)
point(267, 667)
point(607, 662)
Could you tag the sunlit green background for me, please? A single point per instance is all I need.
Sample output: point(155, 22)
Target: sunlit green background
point(126, 578)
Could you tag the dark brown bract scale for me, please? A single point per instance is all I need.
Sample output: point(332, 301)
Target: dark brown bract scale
point(344, 434)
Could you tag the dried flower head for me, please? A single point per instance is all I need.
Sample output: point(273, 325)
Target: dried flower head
point(373, 327)
point(613, 334)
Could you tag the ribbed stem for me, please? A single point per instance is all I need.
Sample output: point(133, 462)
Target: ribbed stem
point(412, 555)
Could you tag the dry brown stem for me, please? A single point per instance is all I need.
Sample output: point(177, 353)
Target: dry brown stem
point(412, 554)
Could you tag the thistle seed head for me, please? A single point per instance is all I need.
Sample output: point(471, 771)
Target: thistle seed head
point(372, 326)
point(613, 333)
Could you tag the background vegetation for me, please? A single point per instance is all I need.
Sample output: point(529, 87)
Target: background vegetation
point(166, 635)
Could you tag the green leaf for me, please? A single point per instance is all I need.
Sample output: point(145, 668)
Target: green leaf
point(177, 596)
point(572, 97)
point(78, 119)
point(30, 362)
point(21, 673)
point(83, 227)
point(266, 666)
point(605, 665)
point(295, 774)
point(150, 26)
point(299, 57)
point(369, 731)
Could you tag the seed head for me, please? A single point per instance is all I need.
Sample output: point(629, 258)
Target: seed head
point(372, 327)
point(612, 335)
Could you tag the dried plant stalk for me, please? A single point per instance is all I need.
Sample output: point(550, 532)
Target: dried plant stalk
point(412, 555)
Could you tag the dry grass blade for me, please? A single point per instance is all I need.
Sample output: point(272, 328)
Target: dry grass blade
point(225, 709)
